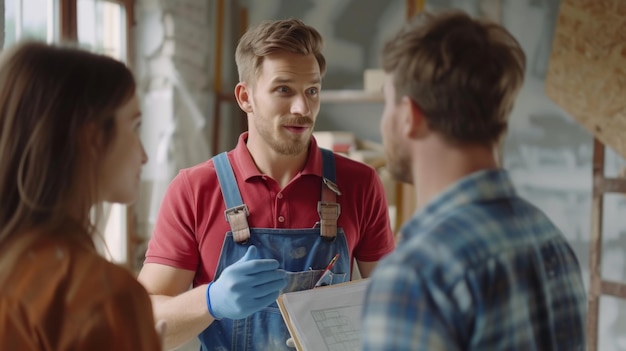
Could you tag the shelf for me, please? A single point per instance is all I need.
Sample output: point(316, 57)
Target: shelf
point(330, 96)
point(336, 96)
point(345, 96)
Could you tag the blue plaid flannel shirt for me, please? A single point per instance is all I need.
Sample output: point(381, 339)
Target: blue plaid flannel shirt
point(479, 268)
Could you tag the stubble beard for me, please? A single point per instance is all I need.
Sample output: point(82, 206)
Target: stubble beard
point(288, 146)
point(399, 166)
point(292, 148)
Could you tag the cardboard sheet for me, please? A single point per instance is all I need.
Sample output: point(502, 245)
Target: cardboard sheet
point(587, 70)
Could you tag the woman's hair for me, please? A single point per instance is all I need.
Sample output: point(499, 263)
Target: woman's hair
point(463, 73)
point(49, 96)
point(289, 35)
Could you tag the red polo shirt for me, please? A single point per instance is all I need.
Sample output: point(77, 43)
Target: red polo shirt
point(191, 226)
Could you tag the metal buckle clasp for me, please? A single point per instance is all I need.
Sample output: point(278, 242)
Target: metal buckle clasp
point(332, 186)
point(235, 210)
point(237, 217)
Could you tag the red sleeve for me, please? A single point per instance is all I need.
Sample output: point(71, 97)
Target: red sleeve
point(376, 238)
point(173, 241)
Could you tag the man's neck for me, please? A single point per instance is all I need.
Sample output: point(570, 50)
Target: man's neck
point(434, 172)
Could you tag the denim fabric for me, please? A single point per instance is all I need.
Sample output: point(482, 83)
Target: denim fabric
point(304, 254)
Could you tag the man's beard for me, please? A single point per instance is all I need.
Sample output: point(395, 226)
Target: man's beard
point(286, 146)
point(399, 166)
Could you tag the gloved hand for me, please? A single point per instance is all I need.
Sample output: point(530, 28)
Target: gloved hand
point(290, 343)
point(245, 287)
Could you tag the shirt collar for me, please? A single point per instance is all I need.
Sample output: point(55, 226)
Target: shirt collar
point(248, 168)
point(480, 186)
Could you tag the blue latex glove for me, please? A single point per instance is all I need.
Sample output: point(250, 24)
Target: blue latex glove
point(245, 287)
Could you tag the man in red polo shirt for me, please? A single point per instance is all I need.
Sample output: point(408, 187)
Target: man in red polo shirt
point(268, 216)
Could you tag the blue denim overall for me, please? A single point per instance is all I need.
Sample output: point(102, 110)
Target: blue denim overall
point(303, 253)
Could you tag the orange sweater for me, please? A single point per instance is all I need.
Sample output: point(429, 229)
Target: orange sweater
point(64, 296)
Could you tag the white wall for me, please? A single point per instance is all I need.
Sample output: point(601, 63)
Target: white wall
point(173, 66)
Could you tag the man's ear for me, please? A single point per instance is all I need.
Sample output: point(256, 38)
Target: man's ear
point(242, 94)
point(416, 125)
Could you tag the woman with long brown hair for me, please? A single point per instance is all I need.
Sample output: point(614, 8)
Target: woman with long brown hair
point(69, 141)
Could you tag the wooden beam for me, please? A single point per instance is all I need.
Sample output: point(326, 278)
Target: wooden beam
point(413, 7)
point(609, 185)
point(133, 239)
point(595, 249)
point(613, 288)
point(2, 25)
point(217, 78)
point(68, 30)
point(130, 24)
point(405, 201)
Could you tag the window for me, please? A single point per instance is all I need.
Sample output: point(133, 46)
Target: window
point(101, 27)
point(30, 19)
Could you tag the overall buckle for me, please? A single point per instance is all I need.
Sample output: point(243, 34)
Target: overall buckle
point(329, 213)
point(237, 217)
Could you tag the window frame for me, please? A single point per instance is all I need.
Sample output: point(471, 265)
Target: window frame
point(68, 22)
point(68, 31)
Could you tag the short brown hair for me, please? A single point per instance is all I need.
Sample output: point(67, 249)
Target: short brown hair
point(290, 35)
point(463, 73)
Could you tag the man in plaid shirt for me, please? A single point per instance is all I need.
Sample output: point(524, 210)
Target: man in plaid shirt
point(477, 267)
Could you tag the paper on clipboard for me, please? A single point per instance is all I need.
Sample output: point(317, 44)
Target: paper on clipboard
point(326, 318)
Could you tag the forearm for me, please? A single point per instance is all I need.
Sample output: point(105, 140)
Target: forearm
point(186, 315)
point(366, 268)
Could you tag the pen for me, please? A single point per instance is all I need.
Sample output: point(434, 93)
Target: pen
point(327, 271)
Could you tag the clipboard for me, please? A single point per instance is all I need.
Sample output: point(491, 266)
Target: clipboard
point(326, 317)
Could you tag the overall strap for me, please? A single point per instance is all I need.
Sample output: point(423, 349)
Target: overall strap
point(328, 208)
point(236, 211)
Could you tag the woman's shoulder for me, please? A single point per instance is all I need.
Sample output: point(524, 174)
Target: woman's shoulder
point(82, 291)
point(59, 279)
point(88, 267)
point(73, 268)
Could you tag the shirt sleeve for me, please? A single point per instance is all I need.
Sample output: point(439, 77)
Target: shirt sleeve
point(173, 241)
point(400, 313)
point(377, 239)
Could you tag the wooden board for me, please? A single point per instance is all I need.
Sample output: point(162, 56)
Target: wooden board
point(587, 69)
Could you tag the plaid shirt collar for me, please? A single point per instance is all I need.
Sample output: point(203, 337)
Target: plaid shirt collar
point(484, 185)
